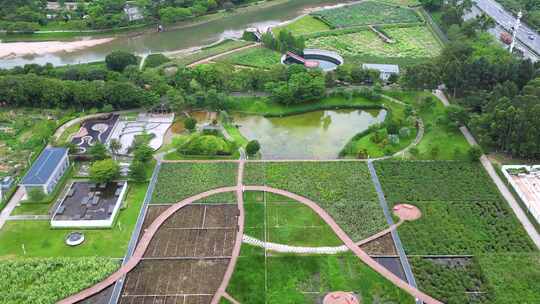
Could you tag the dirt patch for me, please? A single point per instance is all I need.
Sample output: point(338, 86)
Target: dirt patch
point(178, 127)
point(187, 258)
point(381, 246)
point(407, 212)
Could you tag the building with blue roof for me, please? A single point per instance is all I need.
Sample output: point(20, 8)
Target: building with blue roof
point(47, 170)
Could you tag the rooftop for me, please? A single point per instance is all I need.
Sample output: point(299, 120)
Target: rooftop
point(386, 68)
point(44, 166)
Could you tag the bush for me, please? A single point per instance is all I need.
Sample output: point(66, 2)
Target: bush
point(98, 151)
point(253, 147)
point(190, 123)
point(475, 152)
point(119, 60)
point(155, 60)
point(208, 145)
point(137, 171)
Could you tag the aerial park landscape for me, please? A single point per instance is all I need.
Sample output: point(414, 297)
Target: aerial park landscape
point(284, 151)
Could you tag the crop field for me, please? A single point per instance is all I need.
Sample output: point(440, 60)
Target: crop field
point(343, 189)
point(305, 279)
point(47, 280)
point(410, 42)
point(177, 181)
point(305, 25)
point(366, 13)
point(452, 280)
point(258, 57)
point(186, 260)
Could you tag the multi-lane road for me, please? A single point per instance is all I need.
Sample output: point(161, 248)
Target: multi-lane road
point(526, 36)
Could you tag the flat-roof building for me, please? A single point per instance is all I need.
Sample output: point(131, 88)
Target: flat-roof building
point(47, 170)
point(385, 70)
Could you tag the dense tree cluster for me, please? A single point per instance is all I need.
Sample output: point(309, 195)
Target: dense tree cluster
point(283, 42)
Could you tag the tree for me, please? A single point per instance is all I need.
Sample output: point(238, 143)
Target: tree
point(137, 171)
point(104, 171)
point(115, 145)
point(456, 115)
point(190, 124)
point(143, 153)
point(119, 60)
point(475, 152)
point(98, 151)
point(253, 147)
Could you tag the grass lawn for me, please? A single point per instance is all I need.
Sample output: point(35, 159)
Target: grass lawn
point(305, 279)
point(343, 189)
point(39, 240)
point(305, 25)
point(367, 12)
point(32, 209)
point(177, 181)
point(65, 137)
point(182, 59)
point(287, 222)
point(258, 57)
point(265, 107)
point(410, 42)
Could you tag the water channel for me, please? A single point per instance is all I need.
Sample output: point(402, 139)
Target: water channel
point(181, 38)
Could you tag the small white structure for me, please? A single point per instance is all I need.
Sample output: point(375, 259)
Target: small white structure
point(56, 6)
point(133, 13)
point(47, 170)
point(385, 70)
point(526, 182)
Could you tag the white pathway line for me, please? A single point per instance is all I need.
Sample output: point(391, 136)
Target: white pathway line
point(522, 217)
point(6, 212)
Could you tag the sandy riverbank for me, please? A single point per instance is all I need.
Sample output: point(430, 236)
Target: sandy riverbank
point(18, 49)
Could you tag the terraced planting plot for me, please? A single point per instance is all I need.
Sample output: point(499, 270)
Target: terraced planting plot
point(186, 260)
point(258, 57)
point(47, 280)
point(410, 42)
point(343, 189)
point(367, 12)
point(177, 181)
point(305, 279)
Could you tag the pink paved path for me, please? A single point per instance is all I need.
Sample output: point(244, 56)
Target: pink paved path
point(153, 228)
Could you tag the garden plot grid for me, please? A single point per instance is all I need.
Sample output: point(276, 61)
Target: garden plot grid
point(187, 258)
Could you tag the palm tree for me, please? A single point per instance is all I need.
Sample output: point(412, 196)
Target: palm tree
point(115, 146)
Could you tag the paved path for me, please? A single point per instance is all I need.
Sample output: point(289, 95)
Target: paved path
point(15, 199)
point(522, 217)
point(208, 59)
point(27, 217)
point(395, 237)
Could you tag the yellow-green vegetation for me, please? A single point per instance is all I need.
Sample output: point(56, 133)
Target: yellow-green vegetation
point(258, 57)
point(304, 25)
point(410, 42)
point(19, 238)
point(47, 280)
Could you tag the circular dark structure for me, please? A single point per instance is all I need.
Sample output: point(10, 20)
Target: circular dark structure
point(74, 238)
point(315, 58)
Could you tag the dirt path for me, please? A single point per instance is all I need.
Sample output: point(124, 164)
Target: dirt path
point(209, 59)
point(522, 217)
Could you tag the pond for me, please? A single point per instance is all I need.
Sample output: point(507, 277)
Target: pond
point(313, 135)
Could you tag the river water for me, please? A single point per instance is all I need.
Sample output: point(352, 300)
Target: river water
point(181, 38)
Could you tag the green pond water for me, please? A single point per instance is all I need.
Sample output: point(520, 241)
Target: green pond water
point(182, 38)
point(313, 135)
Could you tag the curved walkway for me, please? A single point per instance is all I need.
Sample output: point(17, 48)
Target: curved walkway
point(282, 248)
point(239, 189)
point(209, 59)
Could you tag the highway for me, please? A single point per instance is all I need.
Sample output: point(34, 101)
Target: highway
point(506, 20)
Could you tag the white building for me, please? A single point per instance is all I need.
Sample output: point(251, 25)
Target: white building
point(47, 170)
point(133, 13)
point(385, 70)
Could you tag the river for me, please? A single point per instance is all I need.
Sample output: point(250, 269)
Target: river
point(181, 38)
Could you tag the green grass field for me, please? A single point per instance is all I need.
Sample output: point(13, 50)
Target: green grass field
point(259, 57)
point(20, 239)
point(186, 59)
point(343, 189)
point(305, 25)
point(410, 42)
point(177, 181)
point(367, 12)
